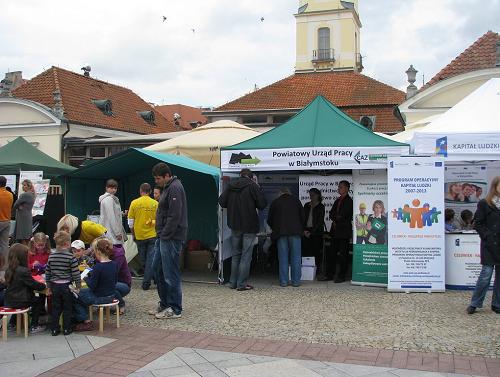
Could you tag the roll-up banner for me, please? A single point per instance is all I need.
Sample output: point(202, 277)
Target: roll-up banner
point(369, 264)
point(416, 224)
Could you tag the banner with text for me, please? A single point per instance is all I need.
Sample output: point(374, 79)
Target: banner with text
point(416, 225)
point(328, 186)
point(463, 261)
point(314, 158)
point(369, 263)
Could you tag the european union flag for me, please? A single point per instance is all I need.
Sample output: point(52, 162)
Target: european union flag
point(442, 146)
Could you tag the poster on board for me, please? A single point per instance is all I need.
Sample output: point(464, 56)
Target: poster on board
point(416, 242)
point(11, 182)
point(464, 186)
point(31, 175)
point(328, 185)
point(369, 263)
point(41, 191)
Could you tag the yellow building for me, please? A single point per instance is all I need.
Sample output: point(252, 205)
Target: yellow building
point(328, 36)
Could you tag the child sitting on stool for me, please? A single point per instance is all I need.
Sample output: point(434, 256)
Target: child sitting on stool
point(101, 284)
point(20, 286)
point(61, 272)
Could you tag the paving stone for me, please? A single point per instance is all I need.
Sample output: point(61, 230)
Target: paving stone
point(280, 368)
point(169, 360)
point(29, 368)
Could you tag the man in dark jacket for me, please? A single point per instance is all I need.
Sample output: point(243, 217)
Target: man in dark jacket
point(286, 219)
point(242, 198)
point(341, 233)
point(171, 229)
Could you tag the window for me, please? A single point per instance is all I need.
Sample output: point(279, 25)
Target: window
point(324, 42)
point(77, 152)
point(116, 149)
point(280, 119)
point(148, 116)
point(254, 119)
point(97, 152)
point(104, 105)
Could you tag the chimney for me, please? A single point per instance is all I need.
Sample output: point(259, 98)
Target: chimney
point(58, 109)
point(411, 90)
point(498, 55)
point(86, 70)
point(11, 81)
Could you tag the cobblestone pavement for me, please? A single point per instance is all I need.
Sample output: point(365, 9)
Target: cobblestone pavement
point(338, 314)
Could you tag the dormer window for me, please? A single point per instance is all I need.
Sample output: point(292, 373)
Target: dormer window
point(148, 116)
point(104, 105)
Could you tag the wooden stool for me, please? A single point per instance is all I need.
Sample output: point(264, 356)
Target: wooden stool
point(108, 313)
point(7, 312)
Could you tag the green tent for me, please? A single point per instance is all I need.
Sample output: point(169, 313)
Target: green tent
point(133, 167)
point(20, 155)
point(317, 138)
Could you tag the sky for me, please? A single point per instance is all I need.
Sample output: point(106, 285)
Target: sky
point(209, 52)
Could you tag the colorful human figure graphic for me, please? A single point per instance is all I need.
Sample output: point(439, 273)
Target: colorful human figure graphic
point(426, 216)
point(405, 216)
point(435, 214)
point(416, 214)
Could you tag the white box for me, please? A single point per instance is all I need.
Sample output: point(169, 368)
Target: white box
point(308, 273)
point(308, 261)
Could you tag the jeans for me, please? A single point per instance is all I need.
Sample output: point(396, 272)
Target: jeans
point(146, 249)
point(242, 244)
point(4, 242)
point(166, 263)
point(289, 253)
point(121, 291)
point(86, 298)
point(62, 302)
point(482, 286)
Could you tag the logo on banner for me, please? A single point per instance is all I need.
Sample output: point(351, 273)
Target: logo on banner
point(244, 159)
point(442, 146)
point(416, 216)
point(358, 157)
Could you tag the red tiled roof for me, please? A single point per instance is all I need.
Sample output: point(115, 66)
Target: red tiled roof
point(480, 55)
point(77, 93)
point(353, 93)
point(188, 114)
point(341, 88)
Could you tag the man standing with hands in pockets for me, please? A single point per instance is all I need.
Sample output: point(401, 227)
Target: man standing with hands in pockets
point(171, 229)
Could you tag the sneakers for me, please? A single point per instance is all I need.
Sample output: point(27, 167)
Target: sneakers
point(471, 309)
point(55, 332)
point(37, 329)
point(168, 313)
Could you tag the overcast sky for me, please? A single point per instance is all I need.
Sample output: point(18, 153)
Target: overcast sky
point(209, 52)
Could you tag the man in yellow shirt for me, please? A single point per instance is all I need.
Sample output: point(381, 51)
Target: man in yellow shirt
point(142, 221)
point(6, 200)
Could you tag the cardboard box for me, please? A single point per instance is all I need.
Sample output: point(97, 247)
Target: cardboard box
point(198, 260)
point(308, 261)
point(308, 273)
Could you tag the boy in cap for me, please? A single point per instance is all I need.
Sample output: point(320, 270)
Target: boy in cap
point(78, 250)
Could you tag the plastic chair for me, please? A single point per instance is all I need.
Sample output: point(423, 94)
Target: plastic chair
point(108, 313)
point(7, 312)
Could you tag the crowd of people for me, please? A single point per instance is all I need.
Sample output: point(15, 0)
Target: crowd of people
point(88, 265)
point(31, 272)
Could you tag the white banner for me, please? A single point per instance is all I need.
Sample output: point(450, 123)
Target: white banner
point(41, 191)
point(463, 260)
point(416, 224)
point(328, 186)
point(458, 147)
point(320, 158)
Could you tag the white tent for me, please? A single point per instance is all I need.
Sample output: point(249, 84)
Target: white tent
point(204, 143)
point(410, 129)
point(470, 130)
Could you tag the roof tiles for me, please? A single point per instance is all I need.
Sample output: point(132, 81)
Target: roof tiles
point(78, 91)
